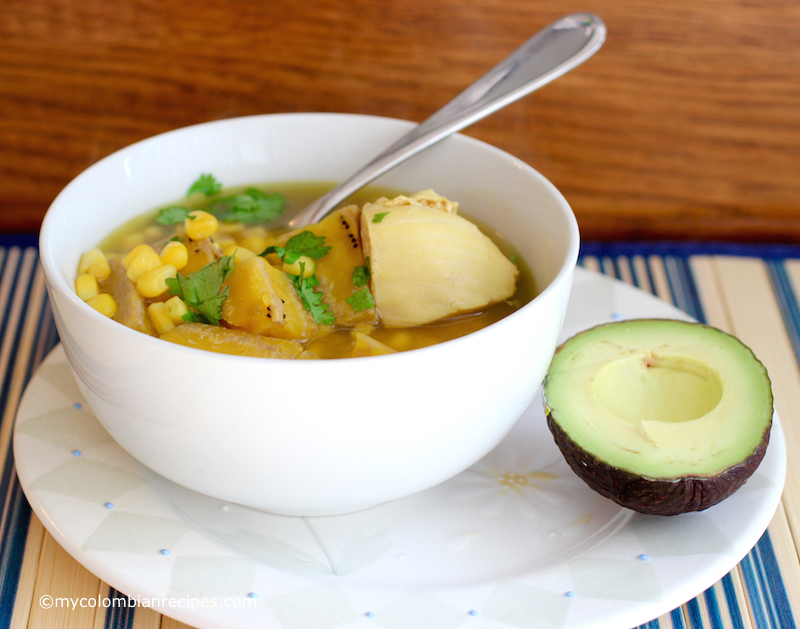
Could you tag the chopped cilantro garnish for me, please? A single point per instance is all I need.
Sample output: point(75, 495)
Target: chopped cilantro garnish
point(172, 215)
point(203, 290)
point(206, 185)
point(361, 275)
point(251, 206)
point(308, 244)
point(377, 218)
point(312, 298)
point(302, 244)
point(361, 299)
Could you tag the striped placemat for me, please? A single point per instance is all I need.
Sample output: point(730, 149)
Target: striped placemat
point(748, 291)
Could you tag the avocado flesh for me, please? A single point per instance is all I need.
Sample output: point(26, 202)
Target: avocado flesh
point(635, 403)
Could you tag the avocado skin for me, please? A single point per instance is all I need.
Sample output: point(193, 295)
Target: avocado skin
point(654, 496)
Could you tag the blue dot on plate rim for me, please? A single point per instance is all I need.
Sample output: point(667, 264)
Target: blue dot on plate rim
point(644, 557)
point(569, 594)
point(252, 595)
point(77, 405)
point(164, 551)
point(76, 452)
point(370, 614)
point(473, 612)
point(109, 505)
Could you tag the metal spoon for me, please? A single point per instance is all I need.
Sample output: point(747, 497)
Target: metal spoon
point(546, 56)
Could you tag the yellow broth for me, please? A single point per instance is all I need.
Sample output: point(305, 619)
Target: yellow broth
point(331, 342)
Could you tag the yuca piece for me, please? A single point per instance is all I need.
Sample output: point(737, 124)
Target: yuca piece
point(131, 306)
point(226, 341)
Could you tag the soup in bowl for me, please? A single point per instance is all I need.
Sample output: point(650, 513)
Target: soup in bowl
point(314, 437)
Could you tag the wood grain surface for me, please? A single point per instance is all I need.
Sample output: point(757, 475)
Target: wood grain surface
point(685, 125)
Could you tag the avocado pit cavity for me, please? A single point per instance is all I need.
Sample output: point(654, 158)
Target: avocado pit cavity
point(653, 387)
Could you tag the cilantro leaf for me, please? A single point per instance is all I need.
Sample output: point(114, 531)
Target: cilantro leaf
point(274, 249)
point(203, 289)
point(251, 206)
point(302, 244)
point(361, 299)
point(206, 185)
point(361, 275)
point(312, 299)
point(306, 243)
point(377, 218)
point(172, 215)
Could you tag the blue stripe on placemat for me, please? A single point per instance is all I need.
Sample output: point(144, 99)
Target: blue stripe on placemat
point(695, 615)
point(731, 599)
point(787, 303)
point(120, 614)
point(689, 248)
point(23, 241)
point(774, 592)
point(676, 616)
point(712, 605)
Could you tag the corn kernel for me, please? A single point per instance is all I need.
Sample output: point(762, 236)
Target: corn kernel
point(303, 264)
point(154, 282)
point(141, 260)
point(176, 308)
point(94, 263)
point(200, 224)
point(104, 304)
point(241, 253)
point(175, 253)
point(86, 286)
point(159, 317)
point(137, 251)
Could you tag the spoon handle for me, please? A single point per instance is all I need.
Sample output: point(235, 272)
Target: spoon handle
point(544, 57)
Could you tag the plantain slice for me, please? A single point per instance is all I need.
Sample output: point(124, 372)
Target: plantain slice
point(263, 300)
point(201, 252)
point(335, 270)
point(428, 263)
point(131, 306)
point(239, 342)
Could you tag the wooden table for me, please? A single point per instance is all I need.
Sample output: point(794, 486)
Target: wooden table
point(685, 125)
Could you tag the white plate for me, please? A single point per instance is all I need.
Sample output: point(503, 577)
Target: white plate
point(515, 541)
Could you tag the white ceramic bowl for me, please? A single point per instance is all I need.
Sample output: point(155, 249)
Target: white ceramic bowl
point(309, 437)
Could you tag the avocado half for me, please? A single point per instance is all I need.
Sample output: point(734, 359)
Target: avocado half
point(662, 416)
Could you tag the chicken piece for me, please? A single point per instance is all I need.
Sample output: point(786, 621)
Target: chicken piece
point(428, 262)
